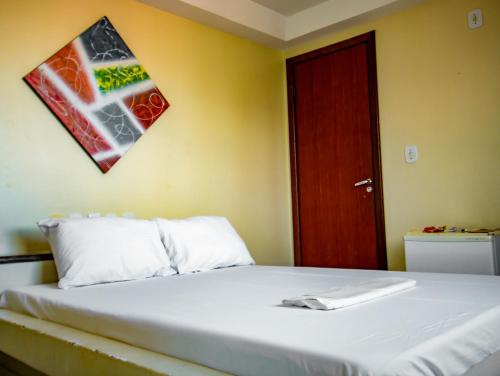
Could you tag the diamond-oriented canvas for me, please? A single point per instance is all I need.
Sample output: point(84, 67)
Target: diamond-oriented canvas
point(100, 92)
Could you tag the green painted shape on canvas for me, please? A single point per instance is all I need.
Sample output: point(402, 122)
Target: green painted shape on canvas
point(115, 78)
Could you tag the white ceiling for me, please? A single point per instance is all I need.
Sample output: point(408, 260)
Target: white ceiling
point(288, 7)
point(280, 23)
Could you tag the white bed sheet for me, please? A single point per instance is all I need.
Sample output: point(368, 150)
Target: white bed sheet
point(231, 319)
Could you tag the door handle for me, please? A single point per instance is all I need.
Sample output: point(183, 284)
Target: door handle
point(363, 182)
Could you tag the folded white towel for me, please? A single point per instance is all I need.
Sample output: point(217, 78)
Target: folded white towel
point(344, 296)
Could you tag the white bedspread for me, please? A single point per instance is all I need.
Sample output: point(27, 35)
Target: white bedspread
point(231, 320)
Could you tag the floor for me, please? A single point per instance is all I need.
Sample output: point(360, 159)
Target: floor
point(12, 367)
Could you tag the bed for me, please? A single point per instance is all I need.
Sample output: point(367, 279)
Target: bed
point(232, 320)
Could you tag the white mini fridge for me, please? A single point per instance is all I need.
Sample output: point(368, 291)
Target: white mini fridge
point(453, 253)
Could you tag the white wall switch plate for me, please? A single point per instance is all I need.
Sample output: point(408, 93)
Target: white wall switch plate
point(475, 18)
point(411, 154)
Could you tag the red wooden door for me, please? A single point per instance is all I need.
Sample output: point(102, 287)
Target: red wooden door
point(334, 145)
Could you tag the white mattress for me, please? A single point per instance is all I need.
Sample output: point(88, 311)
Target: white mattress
point(231, 319)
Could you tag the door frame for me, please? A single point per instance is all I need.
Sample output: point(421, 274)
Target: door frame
point(369, 40)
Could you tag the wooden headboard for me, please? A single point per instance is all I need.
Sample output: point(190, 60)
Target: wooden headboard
point(25, 258)
point(22, 270)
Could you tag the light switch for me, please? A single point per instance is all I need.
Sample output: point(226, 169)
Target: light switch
point(411, 153)
point(475, 18)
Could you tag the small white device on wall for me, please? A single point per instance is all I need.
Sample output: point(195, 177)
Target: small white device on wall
point(475, 18)
point(411, 154)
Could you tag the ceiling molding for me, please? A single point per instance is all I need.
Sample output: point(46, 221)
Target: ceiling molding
point(288, 7)
point(254, 21)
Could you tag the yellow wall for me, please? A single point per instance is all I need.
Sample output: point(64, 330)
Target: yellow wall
point(221, 148)
point(439, 89)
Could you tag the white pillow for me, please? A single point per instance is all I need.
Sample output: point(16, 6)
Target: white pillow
point(202, 243)
point(96, 250)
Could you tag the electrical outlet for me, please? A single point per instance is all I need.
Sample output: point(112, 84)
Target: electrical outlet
point(411, 154)
point(475, 18)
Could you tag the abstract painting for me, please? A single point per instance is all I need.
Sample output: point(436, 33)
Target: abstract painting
point(100, 92)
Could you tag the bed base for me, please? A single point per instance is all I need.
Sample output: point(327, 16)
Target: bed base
point(56, 349)
point(59, 350)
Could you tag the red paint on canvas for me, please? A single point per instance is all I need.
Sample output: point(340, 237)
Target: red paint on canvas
point(106, 164)
point(79, 126)
point(66, 63)
point(147, 106)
